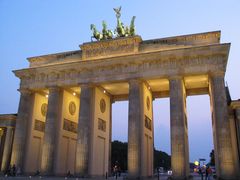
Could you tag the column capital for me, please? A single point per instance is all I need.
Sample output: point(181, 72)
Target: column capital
point(216, 74)
point(134, 81)
point(53, 88)
point(25, 91)
point(176, 77)
point(86, 85)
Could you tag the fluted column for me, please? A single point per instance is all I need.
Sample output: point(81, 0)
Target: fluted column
point(84, 128)
point(224, 158)
point(49, 142)
point(178, 127)
point(134, 127)
point(7, 149)
point(24, 115)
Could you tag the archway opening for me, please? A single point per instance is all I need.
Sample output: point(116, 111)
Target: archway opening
point(200, 133)
point(119, 134)
point(162, 144)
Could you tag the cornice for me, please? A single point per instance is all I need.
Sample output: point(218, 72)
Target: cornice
point(235, 104)
point(190, 39)
point(8, 117)
point(127, 45)
point(189, 52)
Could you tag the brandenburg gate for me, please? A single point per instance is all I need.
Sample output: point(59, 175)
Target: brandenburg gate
point(64, 118)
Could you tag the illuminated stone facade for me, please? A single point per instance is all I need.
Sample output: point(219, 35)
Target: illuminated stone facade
point(7, 126)
point(64, 116)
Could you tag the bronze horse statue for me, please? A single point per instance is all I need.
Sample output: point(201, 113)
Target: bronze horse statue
point(107, 34)
point(96, 34)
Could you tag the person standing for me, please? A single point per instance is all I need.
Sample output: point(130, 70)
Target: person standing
point(209, 171)
point(206, 172)
point(200, 172)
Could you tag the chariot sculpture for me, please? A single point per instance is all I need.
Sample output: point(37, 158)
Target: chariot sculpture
point(120, 31)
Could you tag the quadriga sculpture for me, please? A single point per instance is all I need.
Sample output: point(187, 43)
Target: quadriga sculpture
point(120, 31)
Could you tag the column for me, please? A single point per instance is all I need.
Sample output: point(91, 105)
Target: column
point(50, 135)
point(179, 132)
point(22, 121)
point(84, 128)
point(7, 149)
point(237, 120)
point(221, 129)
point(110, 141)
point(134, 128)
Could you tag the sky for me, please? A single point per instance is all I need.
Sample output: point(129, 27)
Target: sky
point(32, 28)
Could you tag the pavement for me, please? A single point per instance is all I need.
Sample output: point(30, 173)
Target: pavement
point(161, 177)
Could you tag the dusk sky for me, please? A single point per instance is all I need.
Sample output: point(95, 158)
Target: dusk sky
point(32, 28)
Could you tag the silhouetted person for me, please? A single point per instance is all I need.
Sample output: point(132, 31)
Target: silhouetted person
point(200, 172)
point(8, 172)
point(37, 173)
point(208, 173)
point(115, 170)
point(14, 170)
point(69, 174)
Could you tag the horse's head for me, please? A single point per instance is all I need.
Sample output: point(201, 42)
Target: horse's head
point(104, 24)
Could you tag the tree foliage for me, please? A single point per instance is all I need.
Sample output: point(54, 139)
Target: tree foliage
point(161, 159)
point(119, 156)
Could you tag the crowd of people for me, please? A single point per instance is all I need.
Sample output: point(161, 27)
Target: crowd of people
point(207, 171)
point(12, 171)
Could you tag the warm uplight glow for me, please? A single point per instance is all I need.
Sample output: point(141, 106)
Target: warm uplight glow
point(46, 95)
point(196, 163)
point(149, 87)
point(104, 91)
point(74, 94)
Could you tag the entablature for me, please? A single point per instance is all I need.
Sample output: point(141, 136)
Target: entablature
point(187, 61)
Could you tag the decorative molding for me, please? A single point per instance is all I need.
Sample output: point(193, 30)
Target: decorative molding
point(148, 103)
point(72, 108)
point(39, 125)
point(70, 126)
point(113, 47)
point(102, 105)
point(44, 109)
point(102, 125)
point(148, 123)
